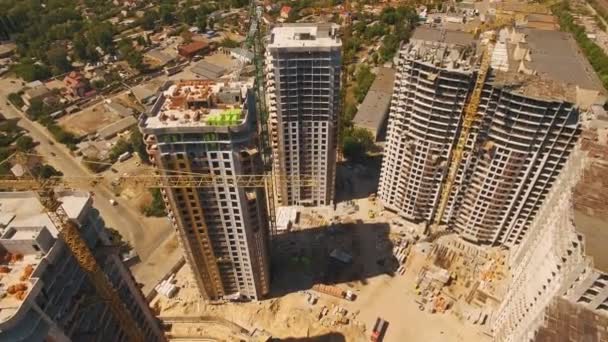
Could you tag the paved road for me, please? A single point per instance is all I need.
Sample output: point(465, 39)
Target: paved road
point(121, 217)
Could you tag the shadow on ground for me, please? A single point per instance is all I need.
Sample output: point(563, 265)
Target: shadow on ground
point(329, 337)
point(356, 180)
point(303, 258)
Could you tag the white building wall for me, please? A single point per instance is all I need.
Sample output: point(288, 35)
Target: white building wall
point(550, 262)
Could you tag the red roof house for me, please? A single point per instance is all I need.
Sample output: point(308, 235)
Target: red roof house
point(191, 49)
point(285, 10)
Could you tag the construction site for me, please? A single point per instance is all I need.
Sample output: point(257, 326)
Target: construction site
point(338, 275)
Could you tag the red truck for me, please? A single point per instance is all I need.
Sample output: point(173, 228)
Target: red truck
point(379, 330)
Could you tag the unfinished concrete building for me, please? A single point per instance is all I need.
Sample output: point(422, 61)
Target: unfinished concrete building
point(303, 65)
point(210, 128)
point(530, 113)
point(44, 293)
point(562, 258)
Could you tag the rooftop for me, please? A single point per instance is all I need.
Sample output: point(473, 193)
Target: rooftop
point(542, 64)
point(305, 35)
point(208, 70)
point(451, 50)
point(15, 284)
point(24, 225)
point(160, 56)
point(545, 64)
point(373, 110)
point(116, 127)
point(193, 47)
point(443, 36)
point(199, 104)
point(37, 91)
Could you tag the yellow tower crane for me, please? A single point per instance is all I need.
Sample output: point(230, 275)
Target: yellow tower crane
point(470, 116)
point(70, 234)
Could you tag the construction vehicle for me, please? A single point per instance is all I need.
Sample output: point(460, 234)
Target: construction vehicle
point(379, 330)
point(469, 118)
point(334, 291)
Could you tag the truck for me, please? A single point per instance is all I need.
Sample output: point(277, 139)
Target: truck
point(379, 330)
point(334, 291)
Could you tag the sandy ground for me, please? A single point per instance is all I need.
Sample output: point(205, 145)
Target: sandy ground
point(380, 292)
point(158, 249)
point(150, 271)
point(89, 120)
point(393, 299)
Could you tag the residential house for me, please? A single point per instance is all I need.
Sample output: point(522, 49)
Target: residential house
point(191, 49)
point(285, 11)
point(77, 85)
point(38, 92)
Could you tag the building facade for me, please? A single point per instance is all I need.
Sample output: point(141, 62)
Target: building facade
point(423, 124)
point(529, 124)
point(46, 295)
point(303, 69)
point(210, 128)
point(562, 258)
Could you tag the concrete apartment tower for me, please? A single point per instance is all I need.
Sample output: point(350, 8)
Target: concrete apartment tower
point(46, 295)
point(303, 68)
point(210, 128)
point(563, 258)
point(530, 109)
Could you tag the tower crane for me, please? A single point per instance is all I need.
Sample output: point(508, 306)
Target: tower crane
point(468, 119)
point(69, 232)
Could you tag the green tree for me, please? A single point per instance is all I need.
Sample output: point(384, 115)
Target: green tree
point(141, 41)
point(36, 109)
point(201, 22)
point(364, 79)
point(166, 14)
point(119, 148)
point(189, 15)
point(131, 55)
point(239, 3)
point(389, 47)
point(16, 100)
point(157, 207)
point(24, 143)
point(98, 84)
point(148, 22)
point(80, 48)
point(357, 142)
point(102, 35)
point(58, 59)
point(30, 71)
point(229, 43)
point(137, 142)
point(45, 171)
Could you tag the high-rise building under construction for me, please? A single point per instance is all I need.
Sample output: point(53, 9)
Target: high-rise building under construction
point(211, 128)
point(303, 68)
point(527, 123)
point(45, 293)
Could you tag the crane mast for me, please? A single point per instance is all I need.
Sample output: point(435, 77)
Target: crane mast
point(469, 118)
point(69, 233)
